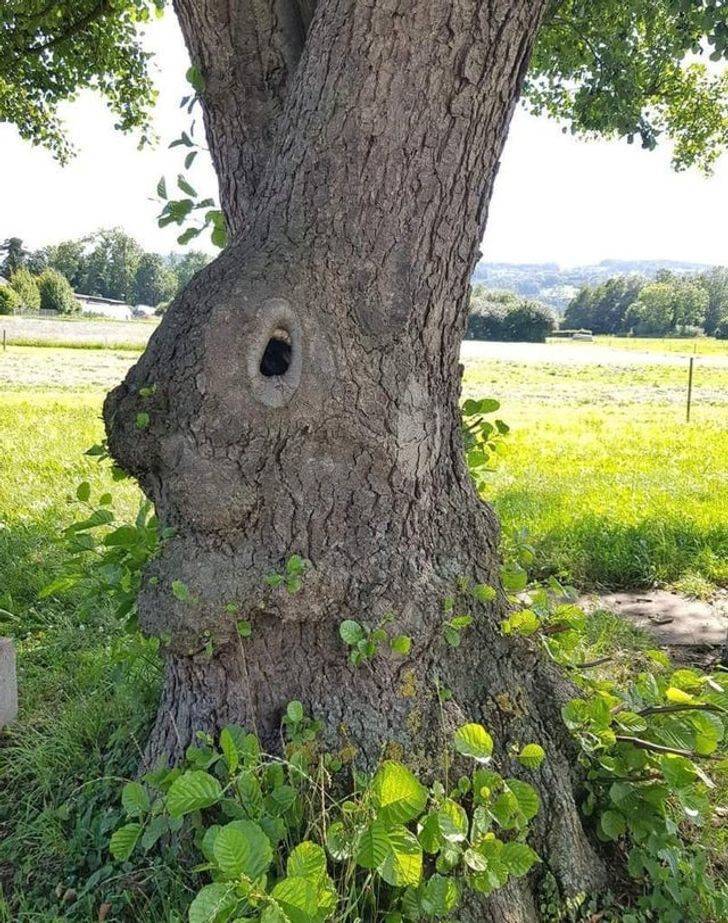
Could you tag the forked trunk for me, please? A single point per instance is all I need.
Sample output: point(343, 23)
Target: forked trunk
point(301, 397)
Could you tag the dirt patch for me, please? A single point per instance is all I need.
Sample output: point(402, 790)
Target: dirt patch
point(674, 620)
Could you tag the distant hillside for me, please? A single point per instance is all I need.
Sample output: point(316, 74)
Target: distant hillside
point(554, 286)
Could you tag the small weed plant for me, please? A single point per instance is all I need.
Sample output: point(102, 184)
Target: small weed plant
point(276, 843)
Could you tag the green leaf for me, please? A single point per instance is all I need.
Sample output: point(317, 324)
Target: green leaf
point(134, 799)
point(189, 159)
point(526, 796)
point(299, 899)
point(613, 824)
point(397, 795)
point(83, 491)
point(192, 791)
point(141, 420)
point(453, 821)
point(213, 903)
point(402, 867)
point(531, 756)
point(242, 848)
point(513, 577)
point(123, 841)
point(229, 750)
point(519, 858)
point(294, 711)
point(162, 188)
point(185, 186)
point(245, 629)
point(484, 593)
point(401, 644)
point(440, 896)
point(194, 78)
point(473, 740)
point(351, 632)
point(307, 860)
point(181, 591)
point(373, 845)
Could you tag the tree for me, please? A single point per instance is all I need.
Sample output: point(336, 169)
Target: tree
point(56, 294)
point(109, 268)
point(26, 288)
point(603, 308)
point(186, 265)
point(504, 316)
point(667, 306)
point(154, 281)
point(715, 282)
point(10, 301)
point(301, 396)
point(69, 257)
point(15, 255)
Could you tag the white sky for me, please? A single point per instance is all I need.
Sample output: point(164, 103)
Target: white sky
point(556, 199)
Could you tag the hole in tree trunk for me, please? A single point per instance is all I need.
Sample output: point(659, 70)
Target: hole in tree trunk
point(277, 355)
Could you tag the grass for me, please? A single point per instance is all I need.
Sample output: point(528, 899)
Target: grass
point(613, 486)
point(688, 346)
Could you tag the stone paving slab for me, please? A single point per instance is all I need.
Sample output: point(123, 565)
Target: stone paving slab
point(8, 683)
point(671, 618)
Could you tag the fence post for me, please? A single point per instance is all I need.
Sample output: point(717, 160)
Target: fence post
point(690, 388)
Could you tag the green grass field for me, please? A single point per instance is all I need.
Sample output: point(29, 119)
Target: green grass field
point(613, 486)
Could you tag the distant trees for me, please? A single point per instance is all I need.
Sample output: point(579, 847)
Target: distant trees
point(56, 293)
point(108, 263)
point(677, 304)
point(507, 317)
point(602, 308)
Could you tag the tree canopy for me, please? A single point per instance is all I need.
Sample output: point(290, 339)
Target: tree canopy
point(636, 69)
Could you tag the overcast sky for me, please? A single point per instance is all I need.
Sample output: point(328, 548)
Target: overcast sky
point(557, 198)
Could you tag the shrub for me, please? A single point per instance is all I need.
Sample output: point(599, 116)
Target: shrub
point(25, 286)
point(56, 293)
point(504, 316)
point(721, 330)
point(9, 300)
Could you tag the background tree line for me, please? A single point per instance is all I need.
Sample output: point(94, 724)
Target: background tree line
point(109, 264)
point(671, 304)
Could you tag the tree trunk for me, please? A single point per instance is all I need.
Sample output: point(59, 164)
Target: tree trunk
point(302, 398)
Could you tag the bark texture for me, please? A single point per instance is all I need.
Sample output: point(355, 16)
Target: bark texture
point(302, 393)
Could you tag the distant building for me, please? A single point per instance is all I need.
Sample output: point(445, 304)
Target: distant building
point(109, 307)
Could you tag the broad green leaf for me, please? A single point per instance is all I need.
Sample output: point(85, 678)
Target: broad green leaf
point(373, 846)
point(473, 740)
point(351, 632)
point(213, 903)
point(298, 898)
point(526, 796)
point(401, 644)
point(162, 188)
point(192, 791)
point(307, 860)
point(397, 795)
point(519, 858)
point(294, 711)
point(124, 840)
point(402, 865)
point(440, 895)
point(613, 824)
point(229, 750)
point(134, 799)
point(338, 842)
point(453, 821)
point(242, 848)
point(83, 491)
point(531, 756)
point(180, 591)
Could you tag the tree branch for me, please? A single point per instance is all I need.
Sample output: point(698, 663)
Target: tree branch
point(641, 744)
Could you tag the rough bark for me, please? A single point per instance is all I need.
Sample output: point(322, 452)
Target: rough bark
point(356, 171)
